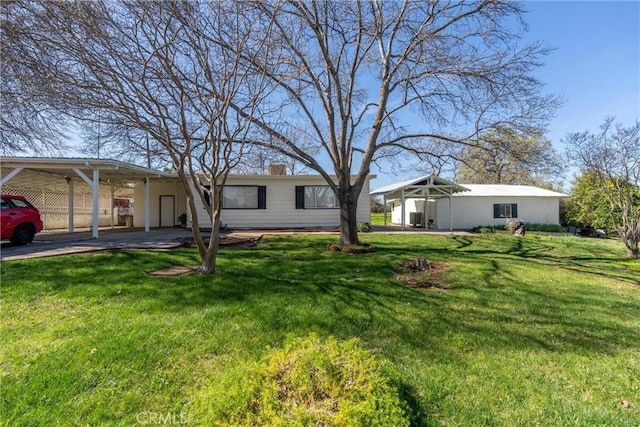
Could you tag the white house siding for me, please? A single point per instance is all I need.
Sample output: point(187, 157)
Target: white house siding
point(157, 188)
point(472, 211)
point(469, 212)
point(281, 209)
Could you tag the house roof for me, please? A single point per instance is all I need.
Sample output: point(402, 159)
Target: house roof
point(51, 173)
point(503, 190)
point(419, 187)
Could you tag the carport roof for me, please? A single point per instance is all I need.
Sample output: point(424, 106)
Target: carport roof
point(420, 187)
point(53, 169)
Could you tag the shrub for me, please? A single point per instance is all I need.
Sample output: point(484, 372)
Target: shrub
point(546, 228)
point(309, 382)
point(364, 227)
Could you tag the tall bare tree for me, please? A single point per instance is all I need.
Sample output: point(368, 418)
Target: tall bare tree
point(370, 79)
point(612, 156)
point(156, 70)
point(30, 119)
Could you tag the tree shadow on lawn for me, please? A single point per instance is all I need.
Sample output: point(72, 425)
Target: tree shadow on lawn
point(349, 296)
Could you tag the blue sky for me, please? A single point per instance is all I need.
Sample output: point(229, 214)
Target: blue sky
point(595, 65)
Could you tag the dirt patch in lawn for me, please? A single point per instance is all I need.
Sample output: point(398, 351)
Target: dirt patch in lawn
point(176, 270)
point(422, 274)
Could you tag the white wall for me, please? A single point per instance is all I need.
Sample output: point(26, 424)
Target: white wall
point(157, 188)
point(281, 209)
point(469, 212)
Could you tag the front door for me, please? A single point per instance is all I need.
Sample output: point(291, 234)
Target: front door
point(167, 211)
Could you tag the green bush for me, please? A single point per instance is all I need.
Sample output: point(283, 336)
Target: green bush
point(547, 228)
point(310, 382)
point(364, 227)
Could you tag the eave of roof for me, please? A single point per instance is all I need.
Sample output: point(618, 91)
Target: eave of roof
point(431, 181)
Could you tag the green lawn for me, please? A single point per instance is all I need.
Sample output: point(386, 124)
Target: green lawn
point(377, 218)
point(537, 331)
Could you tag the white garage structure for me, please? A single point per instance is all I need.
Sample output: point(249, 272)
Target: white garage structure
point(434, 203)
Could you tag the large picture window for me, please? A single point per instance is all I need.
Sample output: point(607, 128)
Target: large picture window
point(243, 197)
point(505, 210)
point(316, 197)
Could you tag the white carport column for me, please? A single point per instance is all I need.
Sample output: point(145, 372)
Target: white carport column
point(95, 185)
point(111, 204)
point(402, 220)
point(71, 199)
point(384, 208)
point(450, 212)
point(146, 204)
point(96, 199)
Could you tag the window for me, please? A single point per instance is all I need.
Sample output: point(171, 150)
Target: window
point(240, 197)
point(505, 210)
point(243, 197)
point(316, 197)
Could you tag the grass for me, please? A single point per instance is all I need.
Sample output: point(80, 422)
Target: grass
point(533, 331)
point(377, 218)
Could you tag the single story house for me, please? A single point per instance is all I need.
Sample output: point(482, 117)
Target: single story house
point(435, 203)
point(280, 201)
point(74, 193)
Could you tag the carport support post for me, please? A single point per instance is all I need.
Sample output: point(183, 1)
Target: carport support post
point(71, 198)
point(402, 221)
point(96, 198)
point(450, 212)
point(111, 196)
point(146, 204)
point(384, 208)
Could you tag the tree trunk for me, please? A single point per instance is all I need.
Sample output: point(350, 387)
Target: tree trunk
point(210, 256)
point(348, 219)
point(631, 240)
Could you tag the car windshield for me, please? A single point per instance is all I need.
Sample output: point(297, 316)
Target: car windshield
point(20, 203)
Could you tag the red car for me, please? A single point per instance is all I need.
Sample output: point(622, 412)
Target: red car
point(19, 220)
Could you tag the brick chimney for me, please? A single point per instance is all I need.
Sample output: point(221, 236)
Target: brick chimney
point(277, 169)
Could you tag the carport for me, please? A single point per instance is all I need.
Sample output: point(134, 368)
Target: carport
point(428, 188)
point(72, 176)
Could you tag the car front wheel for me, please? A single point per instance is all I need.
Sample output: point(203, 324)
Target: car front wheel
point(22, 235)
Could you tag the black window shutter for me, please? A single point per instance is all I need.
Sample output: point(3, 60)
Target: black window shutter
point(496, 210)
point(262, 197)
point(514, 210)
point(299, 196)
point(207, 198)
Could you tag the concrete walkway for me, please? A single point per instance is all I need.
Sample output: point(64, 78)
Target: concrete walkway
point(45, 245)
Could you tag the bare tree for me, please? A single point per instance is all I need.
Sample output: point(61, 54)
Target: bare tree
point(30, 120)
point(257, 158)
point(371, 79)
point(613, 157)
point(154, 70)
